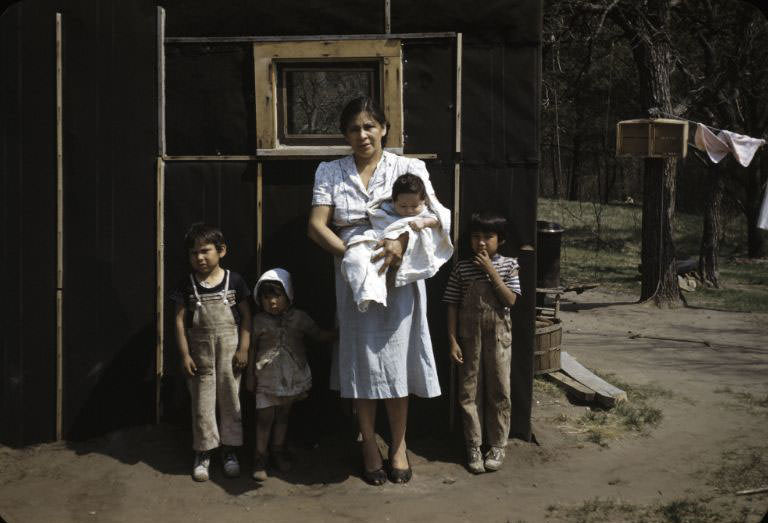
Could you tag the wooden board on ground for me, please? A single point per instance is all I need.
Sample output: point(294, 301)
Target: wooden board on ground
point(572, 387)
point(605, 393)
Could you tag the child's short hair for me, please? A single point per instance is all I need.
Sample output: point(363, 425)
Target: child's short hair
point(270, 288)
point(204, 234)
point(488, 222)
point(409, 184)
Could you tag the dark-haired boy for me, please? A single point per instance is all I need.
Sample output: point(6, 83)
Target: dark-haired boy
point(479, 293)
point(213, 331)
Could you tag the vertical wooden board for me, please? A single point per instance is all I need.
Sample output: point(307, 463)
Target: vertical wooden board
point(110, 146)
point(428, 96)
point(510, 20)
point(11, 176)
point(290, 17)
point(521, 80)
point(37, 240)
point(209, 99)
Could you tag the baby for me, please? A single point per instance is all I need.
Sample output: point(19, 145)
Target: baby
point(429, 244)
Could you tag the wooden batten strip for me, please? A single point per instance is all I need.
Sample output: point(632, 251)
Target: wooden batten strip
point(303, 38)
point(284, 154)
point(160, 81)
point(259, 215)
point(160, 282)
point(456, 209)
point(387, 16)
point(59, 233)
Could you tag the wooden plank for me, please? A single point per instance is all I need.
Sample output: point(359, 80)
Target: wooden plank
point(284, 154)
point(387, 16)
point(606, 393)
point(59, 233)
point(259, 214)
point(303, 38)
point(160, 281)
point(160, 81)
point(572, 386)
point(459, 59)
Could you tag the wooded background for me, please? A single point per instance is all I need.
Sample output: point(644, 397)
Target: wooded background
point(611, 60)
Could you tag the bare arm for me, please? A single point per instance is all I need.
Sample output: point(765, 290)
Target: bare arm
point(240, 361)
point(453, 341)
point(503, 292)
point(187, 363)
point(319, 232)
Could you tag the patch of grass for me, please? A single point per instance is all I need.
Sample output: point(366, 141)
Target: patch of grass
point(747, 400)
point(684, 510)
point(635, 391)
point(547, 388)
point(601, 244)
point(741, 469)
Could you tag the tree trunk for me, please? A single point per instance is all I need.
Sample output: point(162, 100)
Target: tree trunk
point(755, 236)
point(573, 186)
point(659, 267)
point(653, 58)
point(710, 236)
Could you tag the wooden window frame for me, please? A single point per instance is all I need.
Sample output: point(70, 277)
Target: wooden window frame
point(266, 56)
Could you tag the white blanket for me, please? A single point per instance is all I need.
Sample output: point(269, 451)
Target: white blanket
point(428, 249)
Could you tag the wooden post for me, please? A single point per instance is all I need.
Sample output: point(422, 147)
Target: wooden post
point(259, 215)
point(387, 16)
point(456, 210)
point(160, 81)
point(160, 279)
point(59, 235)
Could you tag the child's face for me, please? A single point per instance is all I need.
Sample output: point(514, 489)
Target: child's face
point(204, 258)
point(275, 304)
point(409, 204)
point(485, 241)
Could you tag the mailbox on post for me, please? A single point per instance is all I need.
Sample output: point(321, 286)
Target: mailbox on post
point(652, 138)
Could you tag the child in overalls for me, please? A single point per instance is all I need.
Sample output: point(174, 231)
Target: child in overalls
point(213, 329)
point(478, 294)
point(278, 372)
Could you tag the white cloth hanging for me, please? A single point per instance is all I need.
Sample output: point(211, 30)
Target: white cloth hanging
point(718, 146)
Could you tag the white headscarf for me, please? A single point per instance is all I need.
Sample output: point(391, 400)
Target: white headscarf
point(279, 275)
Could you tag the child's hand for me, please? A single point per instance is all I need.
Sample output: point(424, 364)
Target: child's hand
point(240, 361)
point(417, 224)
point(456, 354)
point(188, 364)
point(483, 261)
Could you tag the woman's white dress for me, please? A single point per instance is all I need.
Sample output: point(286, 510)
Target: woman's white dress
point(385, 352)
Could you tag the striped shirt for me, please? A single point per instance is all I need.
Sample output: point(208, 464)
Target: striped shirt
point(465, 271)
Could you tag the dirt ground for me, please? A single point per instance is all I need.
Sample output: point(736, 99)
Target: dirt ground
point(708, 368)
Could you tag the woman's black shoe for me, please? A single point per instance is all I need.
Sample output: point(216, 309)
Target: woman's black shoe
point(400, 475)
point(375, 477)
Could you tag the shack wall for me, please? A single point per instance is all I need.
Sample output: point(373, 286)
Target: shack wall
point(110, 147)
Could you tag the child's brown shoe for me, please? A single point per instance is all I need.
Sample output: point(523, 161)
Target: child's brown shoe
point(259, 467)
point(475, 460)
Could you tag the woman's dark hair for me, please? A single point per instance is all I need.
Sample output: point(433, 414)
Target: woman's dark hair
point(364, 104)
point(409, 184)
point(270, 288)
point(488, 222)
point(204, 234)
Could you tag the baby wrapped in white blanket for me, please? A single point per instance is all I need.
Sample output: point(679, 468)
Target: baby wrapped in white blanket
point(410, 211)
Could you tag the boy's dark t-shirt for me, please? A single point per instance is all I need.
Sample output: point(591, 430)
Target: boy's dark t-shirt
point(184, 294)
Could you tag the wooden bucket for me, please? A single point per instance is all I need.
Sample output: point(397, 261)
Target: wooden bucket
point(549, 337)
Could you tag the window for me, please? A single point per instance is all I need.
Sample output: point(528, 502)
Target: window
point(301, 88)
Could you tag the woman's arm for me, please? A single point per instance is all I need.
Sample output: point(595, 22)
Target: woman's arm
point(319, 232)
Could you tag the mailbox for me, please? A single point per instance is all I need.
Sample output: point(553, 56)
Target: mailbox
point(652, 138)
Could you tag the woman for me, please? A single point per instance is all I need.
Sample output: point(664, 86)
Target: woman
point(386, 352)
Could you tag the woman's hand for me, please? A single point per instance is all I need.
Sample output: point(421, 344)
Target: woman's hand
point(392, 252)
